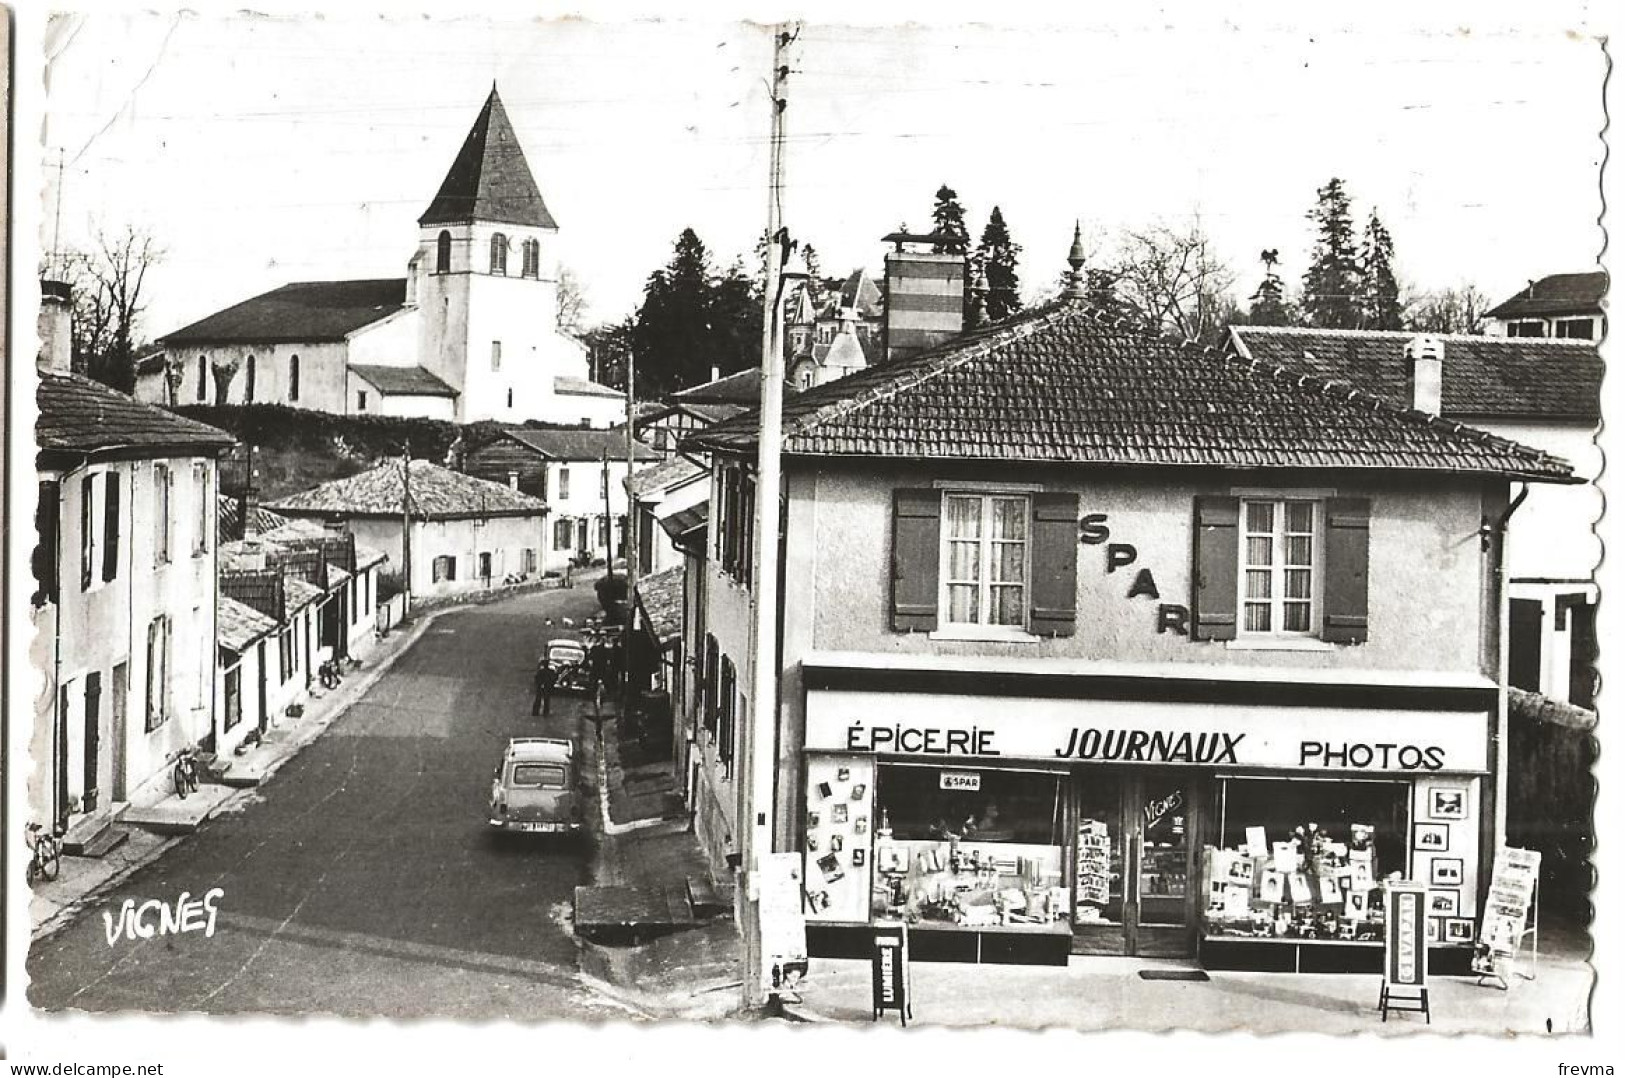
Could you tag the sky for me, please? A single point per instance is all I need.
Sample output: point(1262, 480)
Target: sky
point(262, 150)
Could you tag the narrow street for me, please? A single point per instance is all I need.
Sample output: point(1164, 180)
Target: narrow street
point(361, 879)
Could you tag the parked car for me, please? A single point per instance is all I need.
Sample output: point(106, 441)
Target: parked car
point(536, 787)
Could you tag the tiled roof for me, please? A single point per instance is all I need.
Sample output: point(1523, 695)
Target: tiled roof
point(1561, 293)
point(581, 387)
point(1484, 377)
point(661, 598)
point(489, 179)
point(302, 311)
point(741, 387)
point(580, 443)
point(1059, 384)
point(78, 415)
point(230, 518)
point(402, 381)
point(239, 625)
point(659, 477)
point(437, 494)
point(301, 593)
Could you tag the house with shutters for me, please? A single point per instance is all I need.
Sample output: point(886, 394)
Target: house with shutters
point(580, 474)
point(1565, 306)
point(124, 602)
point(1085, 635)
point(448, 533)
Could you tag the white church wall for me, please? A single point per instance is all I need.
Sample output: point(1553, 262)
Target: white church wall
point(388, 342)
point(321, 380)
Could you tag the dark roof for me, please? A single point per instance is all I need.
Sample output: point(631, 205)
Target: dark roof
point(658, 478)
point(230, 518)
point(1484, 377)
point(403, 381)
point(78, 415)
point(580, 443)
point(860, 293)
point(437, 494)
point(1060, 384)
point(741, 387)
point(489, 179)
point(1561, 293)
point(660, 596)
point(302, 311)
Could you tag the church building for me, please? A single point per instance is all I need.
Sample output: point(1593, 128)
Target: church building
point(470, 333)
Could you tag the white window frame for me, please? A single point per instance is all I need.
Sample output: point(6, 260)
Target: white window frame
point(1278, 567)
point(982, 627)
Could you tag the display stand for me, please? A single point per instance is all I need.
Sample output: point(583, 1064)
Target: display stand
point(1490, 971)
point(1405, 958)
point(890, 973)
point(1511, 915)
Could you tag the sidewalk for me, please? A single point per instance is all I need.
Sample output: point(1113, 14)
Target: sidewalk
point(153, 829)
point(693, 973)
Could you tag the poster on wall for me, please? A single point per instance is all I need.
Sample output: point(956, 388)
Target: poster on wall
point(837, 836)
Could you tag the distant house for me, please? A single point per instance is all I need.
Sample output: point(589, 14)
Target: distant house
point(669, 499)
point(696, 407)
point(1539, 392)
point(580, 474)
point(1564, 305)
point(815, 351)
point(465, 533)
point(124, 602)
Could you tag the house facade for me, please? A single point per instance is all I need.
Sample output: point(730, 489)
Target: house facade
point(449, 533)
point(125, 599)
point(579, 473)
point(1097, 644)
point(1540, 392)
point(468, 334)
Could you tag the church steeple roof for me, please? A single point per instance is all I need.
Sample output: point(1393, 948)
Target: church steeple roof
point(489, 180)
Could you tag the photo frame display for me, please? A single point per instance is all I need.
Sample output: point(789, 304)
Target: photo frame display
point(842, 774)
point(1458, 930)
point(838, 813)
point(1444, 903)
point(858, 858)
point(1432, 837)
point(1446, 872)
point(1433, 928)
point(1447, 803)
point(859, 791)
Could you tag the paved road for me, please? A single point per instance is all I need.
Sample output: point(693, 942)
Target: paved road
point(361, 880)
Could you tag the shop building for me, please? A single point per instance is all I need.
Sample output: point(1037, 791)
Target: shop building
point(1095, 643)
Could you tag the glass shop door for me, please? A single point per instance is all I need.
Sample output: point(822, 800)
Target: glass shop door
point(1161, 807)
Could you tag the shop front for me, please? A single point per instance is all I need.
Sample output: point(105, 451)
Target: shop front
point(1249, 834)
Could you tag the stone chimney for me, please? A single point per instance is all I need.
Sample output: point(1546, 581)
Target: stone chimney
point(55, 327)
point(925, 295)
point(1424, 373)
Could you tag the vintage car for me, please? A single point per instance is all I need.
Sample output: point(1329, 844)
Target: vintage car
point(536, 787)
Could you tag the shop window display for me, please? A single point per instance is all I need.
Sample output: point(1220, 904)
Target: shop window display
point(970, 847)
point(1304, 860)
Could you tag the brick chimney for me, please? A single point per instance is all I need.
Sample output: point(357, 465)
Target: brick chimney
point(925, 295)
point(55, 327)
point(1424, 373)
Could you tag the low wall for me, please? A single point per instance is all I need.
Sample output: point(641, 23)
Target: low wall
point(484, 595)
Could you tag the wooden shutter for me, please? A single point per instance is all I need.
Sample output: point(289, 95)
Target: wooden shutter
point(916, 548)
point(110, 525)
point(1348, 547)
point(1055, 564)
point(87, 542)
point(1213, 569)
point(47, 519)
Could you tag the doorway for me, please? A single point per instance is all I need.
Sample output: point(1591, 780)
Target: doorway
point(93, 739)
point(1134, 861)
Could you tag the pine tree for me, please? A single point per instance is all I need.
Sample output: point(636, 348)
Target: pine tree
point(1269, 307)
point(1331, 286)
point(996, 260)
point(692, 318)
point(1379, 288)
point(948, 223)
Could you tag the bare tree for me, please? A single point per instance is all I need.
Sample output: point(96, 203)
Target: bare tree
point(224, 370)
point(1447, 310)
point(1173, 280)
point(107, 282)
point(572, 302)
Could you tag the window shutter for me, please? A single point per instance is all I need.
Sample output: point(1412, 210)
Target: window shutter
point(87, 543)
point(1055, 564)
point(1213, 576)
point(916, 539)
point(110, 525)
point(1348, 547)
point(46, 522)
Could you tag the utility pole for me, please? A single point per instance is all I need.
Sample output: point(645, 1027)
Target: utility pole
point(56, 232)
point(406, 526)
point(631, 540)
point(760, 731)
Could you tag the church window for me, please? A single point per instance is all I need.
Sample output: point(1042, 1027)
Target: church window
point(293, 378)
point(496, 355)
point(532, 259)
point(361, 400)
point(248, 388)
point(202, 378)
point(499, 255)
point(442, 253)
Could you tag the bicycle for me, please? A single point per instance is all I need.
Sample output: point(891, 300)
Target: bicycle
point(46, 847)
point(184, 773)
point(330, 674)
